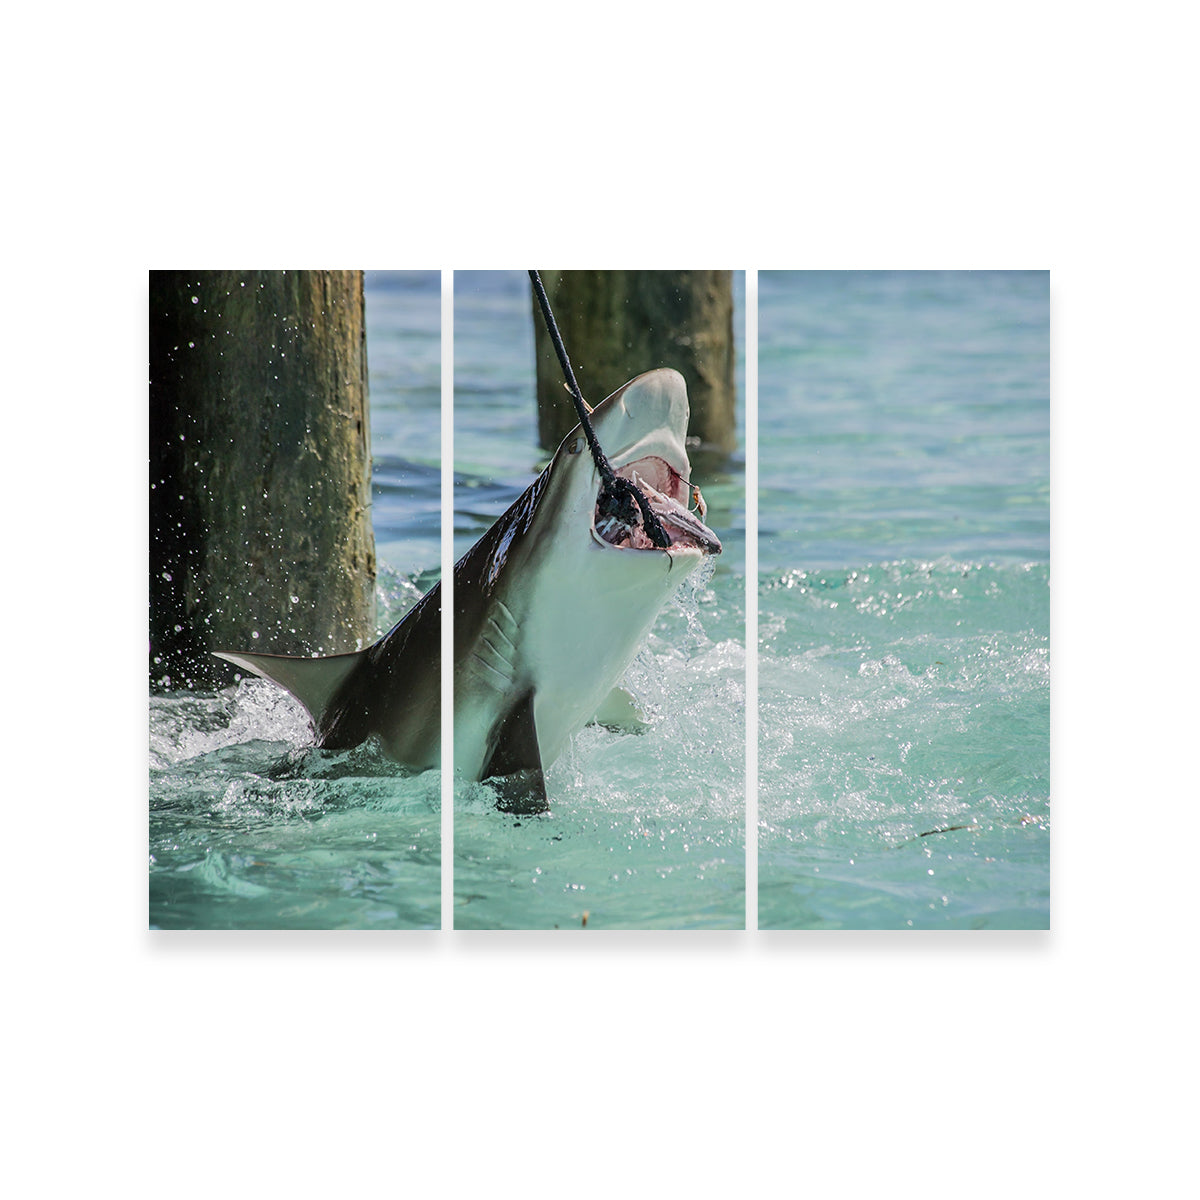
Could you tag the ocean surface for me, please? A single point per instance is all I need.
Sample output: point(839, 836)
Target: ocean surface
point(645, 831)
point(251, 828)
point(904, 600)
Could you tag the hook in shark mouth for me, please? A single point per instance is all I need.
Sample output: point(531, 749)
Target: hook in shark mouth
point(668, 493)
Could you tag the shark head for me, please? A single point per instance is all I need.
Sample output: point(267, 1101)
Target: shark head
point(642, 427)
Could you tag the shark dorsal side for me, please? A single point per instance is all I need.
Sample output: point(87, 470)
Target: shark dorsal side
point(551, 606)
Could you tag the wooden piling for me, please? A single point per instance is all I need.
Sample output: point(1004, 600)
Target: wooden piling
point(617, 324)
point(260, 518)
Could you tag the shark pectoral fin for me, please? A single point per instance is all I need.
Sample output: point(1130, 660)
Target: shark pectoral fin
point(620, 711)
point(514, 769)
point(312, 681)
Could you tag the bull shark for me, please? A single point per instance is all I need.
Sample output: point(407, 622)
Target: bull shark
point(551, 606)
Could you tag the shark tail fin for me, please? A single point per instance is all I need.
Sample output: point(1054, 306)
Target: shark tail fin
point(313, 681)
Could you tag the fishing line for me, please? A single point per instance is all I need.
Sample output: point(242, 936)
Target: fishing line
point(617, 494)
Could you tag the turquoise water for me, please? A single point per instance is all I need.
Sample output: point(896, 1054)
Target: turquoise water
point(904, 592)
point(250, 828)
point(645, 831)
point(903, 670)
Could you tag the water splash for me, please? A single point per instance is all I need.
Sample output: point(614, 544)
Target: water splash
point(904, 750)
point(695, 590)
point(184, 725)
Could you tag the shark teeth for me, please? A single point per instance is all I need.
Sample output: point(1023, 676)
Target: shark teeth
point(682, 526)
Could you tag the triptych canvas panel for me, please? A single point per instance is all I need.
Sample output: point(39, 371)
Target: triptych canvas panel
point(755, 639)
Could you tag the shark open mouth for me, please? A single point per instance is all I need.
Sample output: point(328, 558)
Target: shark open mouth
point(668, 494)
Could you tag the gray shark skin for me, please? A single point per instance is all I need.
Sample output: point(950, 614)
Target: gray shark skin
point(550, 609)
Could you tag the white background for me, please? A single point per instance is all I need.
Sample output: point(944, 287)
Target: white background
point(922, 135)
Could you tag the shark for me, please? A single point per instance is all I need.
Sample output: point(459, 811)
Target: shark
point(551, 606)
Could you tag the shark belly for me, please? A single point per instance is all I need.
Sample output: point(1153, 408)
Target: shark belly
point(580, 654)
point(563, 639)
